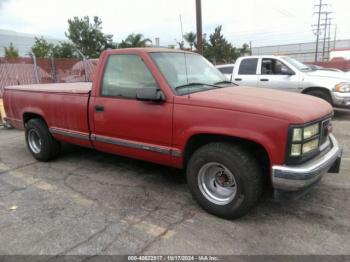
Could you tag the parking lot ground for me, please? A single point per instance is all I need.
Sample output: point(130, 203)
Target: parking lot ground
point(87, 202)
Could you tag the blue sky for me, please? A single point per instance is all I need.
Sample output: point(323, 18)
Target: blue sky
point(264, 22)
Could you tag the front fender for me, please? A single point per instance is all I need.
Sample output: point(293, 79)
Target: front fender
point(270, 133)
point(240, 133)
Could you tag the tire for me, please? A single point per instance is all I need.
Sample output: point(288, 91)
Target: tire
point(321, 94)
point(238, 164)
point(40, 142)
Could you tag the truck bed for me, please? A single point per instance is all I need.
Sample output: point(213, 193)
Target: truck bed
point(63, 106)
point(73, 88)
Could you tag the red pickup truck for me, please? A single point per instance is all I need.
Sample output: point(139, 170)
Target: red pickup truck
point(174, 108)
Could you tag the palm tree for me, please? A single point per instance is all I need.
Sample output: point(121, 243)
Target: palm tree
point(190, 38)
point(135, 40)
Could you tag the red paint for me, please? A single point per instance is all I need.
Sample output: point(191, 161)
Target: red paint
point(259, 115)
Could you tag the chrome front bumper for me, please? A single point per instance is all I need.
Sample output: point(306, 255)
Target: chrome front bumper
point(341, 99)
point(298, 178)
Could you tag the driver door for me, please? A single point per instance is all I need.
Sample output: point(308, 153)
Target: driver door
point(276, 75)
point(124, 125)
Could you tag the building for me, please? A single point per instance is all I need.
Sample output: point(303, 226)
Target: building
point(304, 52)
point(22, 42)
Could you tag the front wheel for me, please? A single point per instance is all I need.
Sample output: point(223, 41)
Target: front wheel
point(321, 94)
point(224, 179)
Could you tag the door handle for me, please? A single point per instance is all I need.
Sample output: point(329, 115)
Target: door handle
point(238, 79)
point(264, 79)
point(99, 108)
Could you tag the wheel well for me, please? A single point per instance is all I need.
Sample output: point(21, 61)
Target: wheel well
point(28, 116)
point(316, 88)
point(257, 150)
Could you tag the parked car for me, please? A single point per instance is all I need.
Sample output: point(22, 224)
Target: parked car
point(226, 70)
point(287, 74)
point(175, 108)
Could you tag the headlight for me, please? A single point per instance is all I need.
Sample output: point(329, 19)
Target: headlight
point(297, 134)
point(342, 87)
point(311, 131)
point(301, 133)
point(295, 150)
point(310, 146)
point(304, 140)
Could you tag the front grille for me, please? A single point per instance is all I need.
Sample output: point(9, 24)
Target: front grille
point(325, 128)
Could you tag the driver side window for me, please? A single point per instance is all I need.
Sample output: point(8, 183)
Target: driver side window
point(124, 74)
point(271, 66)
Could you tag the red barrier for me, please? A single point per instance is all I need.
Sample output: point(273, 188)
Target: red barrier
point(22, 71)
point(337, 63)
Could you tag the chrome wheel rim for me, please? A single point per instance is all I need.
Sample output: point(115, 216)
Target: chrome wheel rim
point(217, 183)
point(34, 141)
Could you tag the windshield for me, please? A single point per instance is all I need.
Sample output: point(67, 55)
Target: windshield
point(298, 65)
point(187, 72)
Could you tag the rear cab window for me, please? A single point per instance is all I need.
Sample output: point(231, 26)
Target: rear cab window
point(248, 66)
point(226, 70)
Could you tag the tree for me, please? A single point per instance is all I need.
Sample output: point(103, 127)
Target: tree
point(134, 40)
point(218, 49)
point(64, 50)
point(11, 51)
point(181, 45)
point(88, 37)
point(190, 38)
point(245, 50)
point(41, 48)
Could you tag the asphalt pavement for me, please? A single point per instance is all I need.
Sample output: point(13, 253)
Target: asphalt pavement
point(87, 202)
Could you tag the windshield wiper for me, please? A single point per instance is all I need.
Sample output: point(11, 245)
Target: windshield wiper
point(225, 82)
point(195, 84)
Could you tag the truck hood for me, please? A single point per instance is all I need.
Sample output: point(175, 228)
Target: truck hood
point(293, 107)
point(341, 76)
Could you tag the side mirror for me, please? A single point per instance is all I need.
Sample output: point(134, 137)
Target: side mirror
point(150, 94)
point(286, 71)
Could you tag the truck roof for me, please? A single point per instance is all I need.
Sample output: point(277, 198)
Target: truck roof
point(146, 50)
point(260, 56)
point(224, 65)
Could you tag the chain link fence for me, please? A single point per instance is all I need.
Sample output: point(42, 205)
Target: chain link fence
point(26, 70)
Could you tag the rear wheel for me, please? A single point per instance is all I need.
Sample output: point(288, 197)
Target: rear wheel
point(224, 179)
point(321, 94)
point(40, 142)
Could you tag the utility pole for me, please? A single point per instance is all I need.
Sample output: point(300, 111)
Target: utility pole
point(326, 27)
point(324, 35)
point(318, 28)
point(199, 26)
point(329, 38)
point(182, 46)
point(335, 37)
